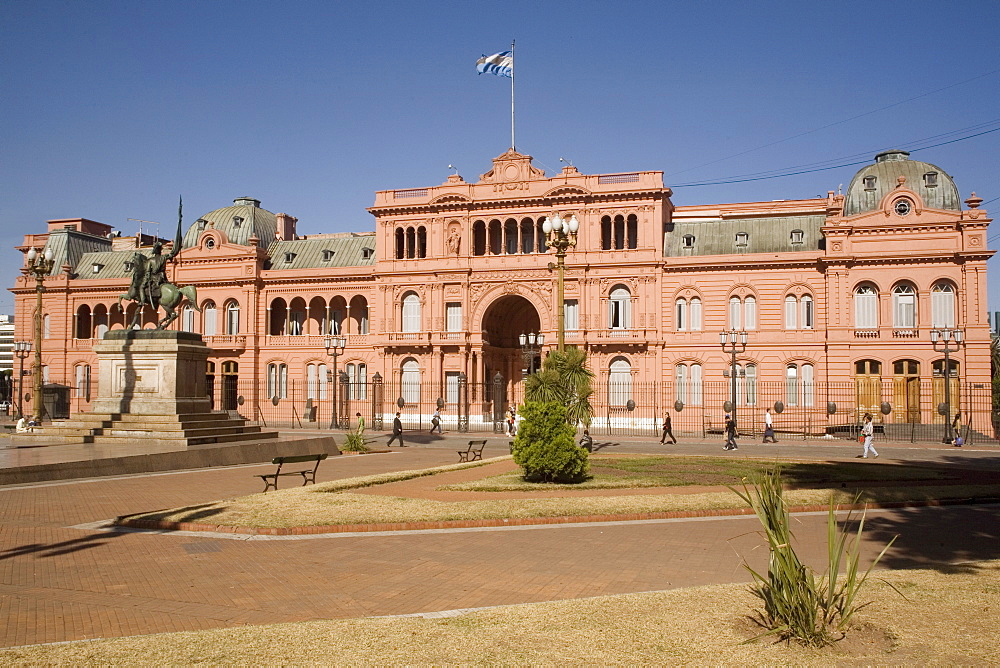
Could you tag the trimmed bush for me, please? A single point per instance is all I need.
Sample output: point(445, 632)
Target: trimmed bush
point(544, 445)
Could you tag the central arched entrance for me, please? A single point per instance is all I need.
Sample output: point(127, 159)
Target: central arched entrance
point(503, 323)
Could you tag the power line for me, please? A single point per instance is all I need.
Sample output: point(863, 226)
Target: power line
point(841, 122)
point(805, 169)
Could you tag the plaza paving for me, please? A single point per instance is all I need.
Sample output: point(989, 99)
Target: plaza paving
point(64, 577)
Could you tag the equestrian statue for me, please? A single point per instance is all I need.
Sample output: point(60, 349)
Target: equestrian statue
point(150, 285)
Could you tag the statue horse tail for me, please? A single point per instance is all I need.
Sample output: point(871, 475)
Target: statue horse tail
point(191, 293)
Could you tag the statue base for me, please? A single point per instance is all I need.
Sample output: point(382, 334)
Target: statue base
point(151, 372)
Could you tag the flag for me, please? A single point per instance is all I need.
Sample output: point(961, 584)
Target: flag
point(500, 64)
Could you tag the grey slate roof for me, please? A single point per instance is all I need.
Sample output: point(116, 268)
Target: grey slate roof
point(68, 246)
point(888, 167)
point(764, 235)
point(256, 221)
point(347, 251)
point(112, 264)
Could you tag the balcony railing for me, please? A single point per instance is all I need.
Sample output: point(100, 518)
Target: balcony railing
point(226, 341)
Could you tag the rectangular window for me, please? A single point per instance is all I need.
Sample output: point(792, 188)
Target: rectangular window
point(681, 316)
point(790, 307)
point(695, 312)
point(572, 314)
point(453, 311)
point(210, 322)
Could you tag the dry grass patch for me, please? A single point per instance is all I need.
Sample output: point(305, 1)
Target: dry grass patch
point(311, 506)
point(947, 618)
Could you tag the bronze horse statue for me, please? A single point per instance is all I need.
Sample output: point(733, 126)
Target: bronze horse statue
point(150, 285)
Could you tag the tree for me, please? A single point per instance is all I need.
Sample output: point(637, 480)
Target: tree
point(544, 445)
point(564, 379)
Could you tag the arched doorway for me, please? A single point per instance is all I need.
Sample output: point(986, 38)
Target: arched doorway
point(504, 321)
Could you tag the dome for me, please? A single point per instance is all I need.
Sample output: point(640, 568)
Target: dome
point(238, 222)
point(872, 183)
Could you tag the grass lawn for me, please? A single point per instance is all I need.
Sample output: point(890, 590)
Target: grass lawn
point(948, 617)
point(338, 502)
point(617, 472)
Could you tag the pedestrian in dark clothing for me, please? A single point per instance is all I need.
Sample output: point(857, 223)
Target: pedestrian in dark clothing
point(587, 442)
point(667, 430)
point(397, 432)
point(730, 434)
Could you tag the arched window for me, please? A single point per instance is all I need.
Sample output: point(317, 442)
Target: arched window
point(696, 393)
point(688, 314)
point(619, 382)
point(942, 305)
point(681, 309)
point(606, 235)
point(510, 236)
point(749, 380)
point(83, 381)
point(808, 313)
point(791, 312)
point(496, 237)
point(792, 385)
point(101, 321)
point(233, 317)
point(421, 241)
point(187, 319)
point(527, 235)
point(411, 243)
point(277, 380)
point(46, 326)
point(620, 308)
point(84, 322)
point(209, 317)
point(750, 312)
point(313, 381)
point(357, 379)
point(904, 306)
point(359, 314)
point(680, 382)
point(411, 312)
point(632, 231)
point(695, 313)
point(400, 243)
point(735, 314)
point(479, 238)
point(866, 307)
point(808, 385)
point(410, 382)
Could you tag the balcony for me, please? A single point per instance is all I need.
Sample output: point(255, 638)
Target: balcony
point(81, 344)
point(450, 338)
point(626, 336)
point(313, 340)
point(866, 334)
point(905, 333)
point(226, 342)
point(409, 339)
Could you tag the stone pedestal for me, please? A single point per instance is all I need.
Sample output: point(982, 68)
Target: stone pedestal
point(151, 372)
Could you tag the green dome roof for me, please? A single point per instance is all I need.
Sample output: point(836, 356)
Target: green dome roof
point(935, 187)
point(239, 222)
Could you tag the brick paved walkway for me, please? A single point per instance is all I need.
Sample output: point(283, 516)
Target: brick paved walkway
point(60, 583)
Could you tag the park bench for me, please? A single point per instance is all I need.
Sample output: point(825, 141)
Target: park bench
point(308, 476)
point(473, 452)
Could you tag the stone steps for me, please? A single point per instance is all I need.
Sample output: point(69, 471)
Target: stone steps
point(189, 429)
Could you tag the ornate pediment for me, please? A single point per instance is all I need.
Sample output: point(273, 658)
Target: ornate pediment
point(512, 167)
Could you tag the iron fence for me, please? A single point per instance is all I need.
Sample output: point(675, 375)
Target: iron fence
point(909, 410)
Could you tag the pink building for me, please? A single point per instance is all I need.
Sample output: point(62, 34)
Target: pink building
point(838, 297)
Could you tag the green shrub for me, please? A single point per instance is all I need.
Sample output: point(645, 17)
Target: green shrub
point(544, 445)
point(798, 604)
point(354, 441)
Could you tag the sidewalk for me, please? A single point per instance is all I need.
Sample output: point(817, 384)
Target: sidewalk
point(63, 578)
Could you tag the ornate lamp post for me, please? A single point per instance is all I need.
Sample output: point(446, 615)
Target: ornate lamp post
point(334, 347)
point(531, 344)
point(733, 342)
point(39, 268)
point(22, 349)
point(941, 339)
point(561, 235)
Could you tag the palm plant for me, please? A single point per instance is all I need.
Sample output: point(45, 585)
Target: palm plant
point(565, 379)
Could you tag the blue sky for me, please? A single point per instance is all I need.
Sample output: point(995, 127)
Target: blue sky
point(110, 110)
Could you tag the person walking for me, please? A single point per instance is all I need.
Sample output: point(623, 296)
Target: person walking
point(397, 432)
point(730, 434)
point(868, 434)
point(361, 424)
point(436, 421)
point(586, 442)
point(667, 430)
point(769, 427)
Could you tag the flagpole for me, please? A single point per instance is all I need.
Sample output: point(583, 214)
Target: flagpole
point(512, 144)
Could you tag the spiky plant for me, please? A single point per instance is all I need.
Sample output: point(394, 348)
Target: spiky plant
point(564, 379)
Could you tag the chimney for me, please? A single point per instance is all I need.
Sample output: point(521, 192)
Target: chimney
point(286, 226)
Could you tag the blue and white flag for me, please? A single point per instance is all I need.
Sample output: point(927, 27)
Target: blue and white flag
point(500, 64)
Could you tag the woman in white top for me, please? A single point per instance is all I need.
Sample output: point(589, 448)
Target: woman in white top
point(868, 431)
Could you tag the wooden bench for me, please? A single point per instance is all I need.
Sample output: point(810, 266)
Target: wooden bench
point(308, 476)
point(473, 452)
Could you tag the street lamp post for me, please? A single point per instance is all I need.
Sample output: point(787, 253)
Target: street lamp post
point(941, 340)
point(22, 349)
point(733, 342)
point(334, 347)
point(39, 267)
point(530, 345)
point(561, 235)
